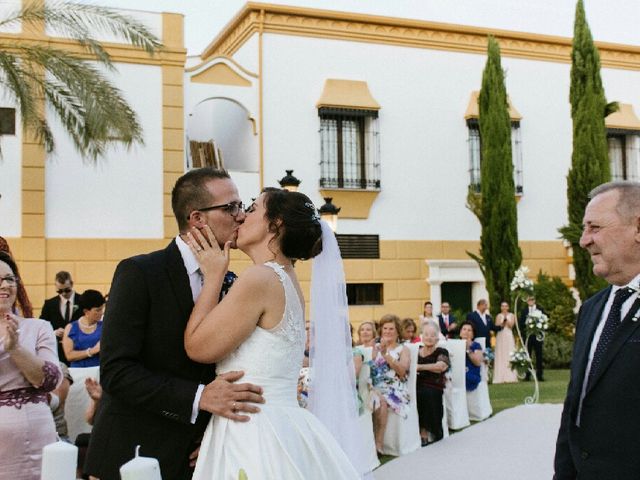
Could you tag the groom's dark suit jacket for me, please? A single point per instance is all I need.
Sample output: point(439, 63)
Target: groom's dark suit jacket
point(149, 383)
point(607, 443)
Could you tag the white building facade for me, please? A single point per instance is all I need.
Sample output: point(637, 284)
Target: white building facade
point(378, 113)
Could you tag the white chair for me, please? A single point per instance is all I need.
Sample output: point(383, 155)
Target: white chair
point(402, 435)
point(78, 400)
point(445, 423)
point(478, 401)
point(455, 393)
point(366, 419)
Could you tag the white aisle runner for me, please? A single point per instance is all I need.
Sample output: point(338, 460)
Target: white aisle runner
point(518, 443)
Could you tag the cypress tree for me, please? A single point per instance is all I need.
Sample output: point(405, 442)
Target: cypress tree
point(589, 160)
point(500, 254)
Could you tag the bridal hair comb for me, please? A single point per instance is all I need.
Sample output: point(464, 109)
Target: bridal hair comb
point(315, 216)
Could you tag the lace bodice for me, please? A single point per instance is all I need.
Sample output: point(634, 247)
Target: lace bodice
point(273, 357)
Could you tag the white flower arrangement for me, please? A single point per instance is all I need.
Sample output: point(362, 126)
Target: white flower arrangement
point(521, 280)
point(537, 324)
point(519, 359)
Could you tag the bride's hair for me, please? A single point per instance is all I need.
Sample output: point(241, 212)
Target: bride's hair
point(295, 221)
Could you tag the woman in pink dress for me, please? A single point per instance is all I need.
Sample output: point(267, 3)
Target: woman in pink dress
point(28, 371)
point(505, 344)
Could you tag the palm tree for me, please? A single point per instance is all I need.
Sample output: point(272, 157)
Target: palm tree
point(92, 110)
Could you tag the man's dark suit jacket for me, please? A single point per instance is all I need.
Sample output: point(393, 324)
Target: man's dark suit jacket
point(443, 327)
point(481, 329)
point(51, 313)
point(149, 382)
point(606, 444)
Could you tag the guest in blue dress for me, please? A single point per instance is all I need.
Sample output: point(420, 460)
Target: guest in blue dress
point(474, 357)
point(81, 340)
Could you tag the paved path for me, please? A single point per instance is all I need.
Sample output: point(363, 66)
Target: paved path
point(517, 443)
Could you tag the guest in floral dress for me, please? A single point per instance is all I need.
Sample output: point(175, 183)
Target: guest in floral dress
point(28, 370)
point(389, 372)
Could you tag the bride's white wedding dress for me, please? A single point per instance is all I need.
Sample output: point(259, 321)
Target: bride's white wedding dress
point(282, 441)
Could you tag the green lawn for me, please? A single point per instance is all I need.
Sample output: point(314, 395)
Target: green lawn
point(552, 390)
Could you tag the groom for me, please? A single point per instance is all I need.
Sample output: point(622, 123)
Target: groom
point(154, 395)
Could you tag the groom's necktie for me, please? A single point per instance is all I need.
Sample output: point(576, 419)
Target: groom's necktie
point(227, 282)
point(67, 312)
point(610, 327)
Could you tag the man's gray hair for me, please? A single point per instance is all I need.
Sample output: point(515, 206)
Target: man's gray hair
point(628, 205)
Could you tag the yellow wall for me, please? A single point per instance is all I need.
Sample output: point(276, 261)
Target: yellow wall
point(92, 262)
point(401, 267)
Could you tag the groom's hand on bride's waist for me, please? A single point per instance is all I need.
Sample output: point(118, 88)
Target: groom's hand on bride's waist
point(228, 399)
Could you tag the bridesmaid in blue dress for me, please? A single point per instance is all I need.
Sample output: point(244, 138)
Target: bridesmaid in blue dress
point(81, 340)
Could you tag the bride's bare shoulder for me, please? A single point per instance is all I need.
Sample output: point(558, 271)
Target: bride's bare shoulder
point(258, 275)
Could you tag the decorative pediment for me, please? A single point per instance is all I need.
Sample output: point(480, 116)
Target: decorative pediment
point(221, 71)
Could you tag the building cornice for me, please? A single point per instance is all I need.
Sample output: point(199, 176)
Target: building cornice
point(119, 52)
point(307, 22)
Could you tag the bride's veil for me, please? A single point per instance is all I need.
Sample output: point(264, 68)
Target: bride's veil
point(332, 390)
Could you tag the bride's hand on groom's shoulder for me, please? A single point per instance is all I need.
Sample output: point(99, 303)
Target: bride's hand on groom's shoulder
point(226, 398)
point(211, 258)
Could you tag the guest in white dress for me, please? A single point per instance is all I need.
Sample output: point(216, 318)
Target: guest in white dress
point(259, 328)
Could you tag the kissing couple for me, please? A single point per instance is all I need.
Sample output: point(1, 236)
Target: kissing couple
point(176, 312)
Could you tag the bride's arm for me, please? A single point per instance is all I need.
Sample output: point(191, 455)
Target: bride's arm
point(213, 333)
point(215, 329)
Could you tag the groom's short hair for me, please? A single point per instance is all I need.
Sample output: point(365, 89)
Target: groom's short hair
point(189, 193)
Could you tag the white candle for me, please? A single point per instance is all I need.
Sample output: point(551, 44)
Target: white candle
point(59, 461)
point(140, 468)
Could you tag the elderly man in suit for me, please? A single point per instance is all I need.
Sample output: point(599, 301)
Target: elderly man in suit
point(154, 395)
point(482, 321)
point(598, 435)
point(62, 309)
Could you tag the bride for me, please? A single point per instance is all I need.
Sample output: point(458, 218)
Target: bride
point(259, 328)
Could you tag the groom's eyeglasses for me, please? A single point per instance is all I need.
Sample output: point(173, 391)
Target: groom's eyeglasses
point(233, 208)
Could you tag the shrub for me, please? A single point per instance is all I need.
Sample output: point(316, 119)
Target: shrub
point(556, 298)
point(557, 351)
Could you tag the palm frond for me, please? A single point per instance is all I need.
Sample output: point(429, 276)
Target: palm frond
point(82, 22)
point(23, 86)
point(92, 110)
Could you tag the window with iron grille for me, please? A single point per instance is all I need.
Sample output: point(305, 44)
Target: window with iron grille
point(349, 149)
point(475, 155)
point(624, 154)
point(364, 293)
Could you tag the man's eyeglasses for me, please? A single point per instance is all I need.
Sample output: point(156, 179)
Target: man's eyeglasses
point(64, 290)
point(11, 280)
point(233, 208)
